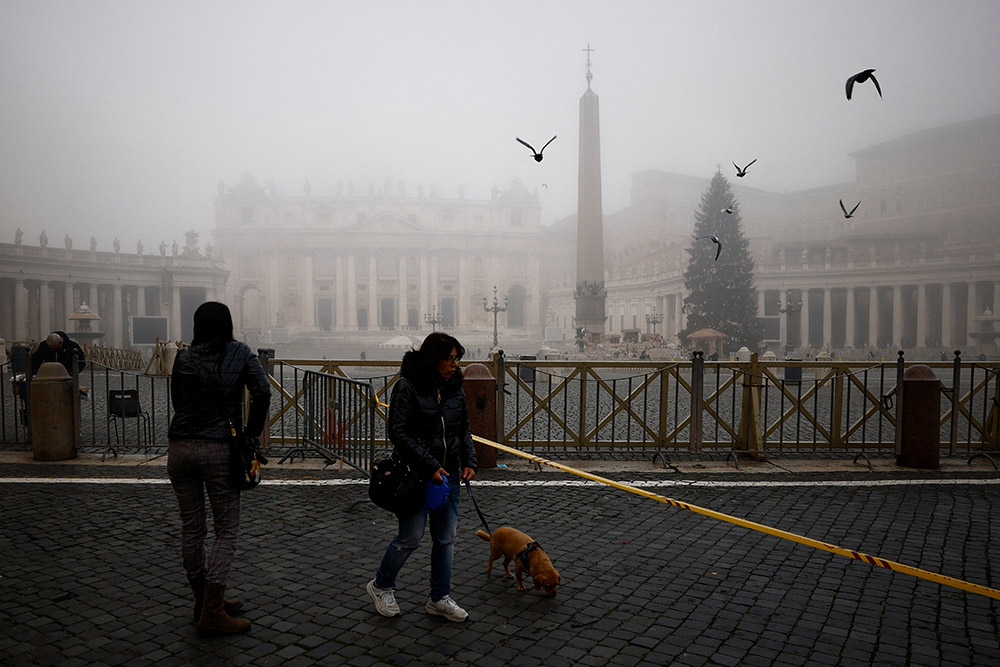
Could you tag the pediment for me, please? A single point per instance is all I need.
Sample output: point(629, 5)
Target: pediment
point(388, 222)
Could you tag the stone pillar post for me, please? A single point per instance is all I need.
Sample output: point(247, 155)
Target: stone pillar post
point(273, 298)
point(760, 303)
point(462, 310)
point(401, 304)
point(970, 314)
point(873, 316)
point(175, 314)
point(309, 305)
point(946, 317)
point(33, 318)
point(20, 310)
point(44, 309)
point(373, 313)
point(804, 318)
point(849, 337)
point(67, 307)
point(140, 300)
point(116, 317)
point(921, 315)
point(352, 293)
point(783, 322)
point(996, 299)
point(827, 318)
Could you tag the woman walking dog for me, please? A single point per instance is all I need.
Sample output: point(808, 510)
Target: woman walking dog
point(428, 426)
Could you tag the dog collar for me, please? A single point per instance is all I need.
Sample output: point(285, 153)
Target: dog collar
point(523, 556)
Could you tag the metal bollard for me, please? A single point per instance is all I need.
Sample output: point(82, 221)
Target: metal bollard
point(55, 414)
point(920, 437)
point(481, 395)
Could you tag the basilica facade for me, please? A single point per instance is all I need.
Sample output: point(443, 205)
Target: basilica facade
point(378, 259)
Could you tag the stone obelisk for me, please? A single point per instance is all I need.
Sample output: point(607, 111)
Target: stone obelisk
point(590, 292)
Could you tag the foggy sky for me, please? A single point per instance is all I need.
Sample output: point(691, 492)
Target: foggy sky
point(120, 118)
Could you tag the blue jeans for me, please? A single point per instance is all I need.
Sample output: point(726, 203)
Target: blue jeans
point(444, 526)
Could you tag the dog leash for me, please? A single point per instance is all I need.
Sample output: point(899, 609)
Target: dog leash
point(482, 518)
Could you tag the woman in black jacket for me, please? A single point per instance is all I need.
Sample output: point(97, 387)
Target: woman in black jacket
point(207, 387)
point(428, 426)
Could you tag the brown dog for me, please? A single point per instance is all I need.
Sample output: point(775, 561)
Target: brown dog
point(526, 554)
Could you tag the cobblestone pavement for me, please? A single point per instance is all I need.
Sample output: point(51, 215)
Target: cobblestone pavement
point(91, 572)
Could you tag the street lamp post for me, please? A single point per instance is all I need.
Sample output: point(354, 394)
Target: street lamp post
point(433, 319)
point(496, 308)
point(784, 309)
point(654, 318)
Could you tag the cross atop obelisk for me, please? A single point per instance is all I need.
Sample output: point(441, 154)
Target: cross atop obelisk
point(590, 75)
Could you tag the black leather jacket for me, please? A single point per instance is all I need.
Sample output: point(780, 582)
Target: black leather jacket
point(204, 393)
point(428, 422)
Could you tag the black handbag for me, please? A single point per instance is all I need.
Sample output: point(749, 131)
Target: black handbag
point(245, 460)
point(394, 486)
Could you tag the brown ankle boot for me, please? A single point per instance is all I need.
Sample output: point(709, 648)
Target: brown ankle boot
point(213, 613)
point(198, 589)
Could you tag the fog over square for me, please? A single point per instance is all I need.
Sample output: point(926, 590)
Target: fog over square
point(119, 119)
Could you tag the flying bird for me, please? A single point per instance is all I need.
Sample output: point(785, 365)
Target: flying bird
point(844, 209)
point(740, 173)
point(537, 155)
point(729, 209)
point(861, 77)
point(716, 241)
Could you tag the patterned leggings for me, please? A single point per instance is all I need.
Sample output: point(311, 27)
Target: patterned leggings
point(195, 466)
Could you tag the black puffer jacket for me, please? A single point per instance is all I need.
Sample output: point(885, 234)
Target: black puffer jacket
point(204, 392)
point(429, 420)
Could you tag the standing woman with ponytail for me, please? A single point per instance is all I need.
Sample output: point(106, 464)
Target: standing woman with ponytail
point(207, 388)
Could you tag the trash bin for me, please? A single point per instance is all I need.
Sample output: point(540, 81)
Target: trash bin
point(526, 373)
point(793, 374)
point(55, 414)
point(920, 444)
point(20, 358)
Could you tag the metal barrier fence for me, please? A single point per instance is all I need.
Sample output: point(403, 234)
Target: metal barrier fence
point(334, 418)
point(584, 408)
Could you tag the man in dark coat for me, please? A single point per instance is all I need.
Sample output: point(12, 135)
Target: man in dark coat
point(58, 347)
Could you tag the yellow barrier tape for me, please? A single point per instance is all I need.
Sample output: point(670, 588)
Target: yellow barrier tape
point(840, 551)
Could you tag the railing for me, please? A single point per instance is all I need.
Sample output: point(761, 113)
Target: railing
point(586, 408)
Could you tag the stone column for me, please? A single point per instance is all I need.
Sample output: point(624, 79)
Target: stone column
point(996, 299)
point(970, 315)
point(140, 300)
point(352, 293)
point(401, 285)
point(341, 293)
point(783, 323)
point(760, 303)
point(849, 337)
point(434, 283)
point(33, 318)
point(424, 291)
point(117, 338)
point(804, 318)
point(175, 314)
point(462, 311)
point(921, 315)
point(897, 316)
point(273, 298)
point(309, 307)
point(946, 318)
point(20, 310)
point(373, 313)
point(873, 316)
point(67, 307)
point(44, 309)
point(827, 318)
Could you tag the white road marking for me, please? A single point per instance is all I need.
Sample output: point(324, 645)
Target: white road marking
point(538, 483)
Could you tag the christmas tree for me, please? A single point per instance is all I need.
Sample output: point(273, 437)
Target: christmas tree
point(721, 294)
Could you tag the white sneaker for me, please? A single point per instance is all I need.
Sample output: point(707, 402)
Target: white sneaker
point(384, 599)
point(446, 607)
